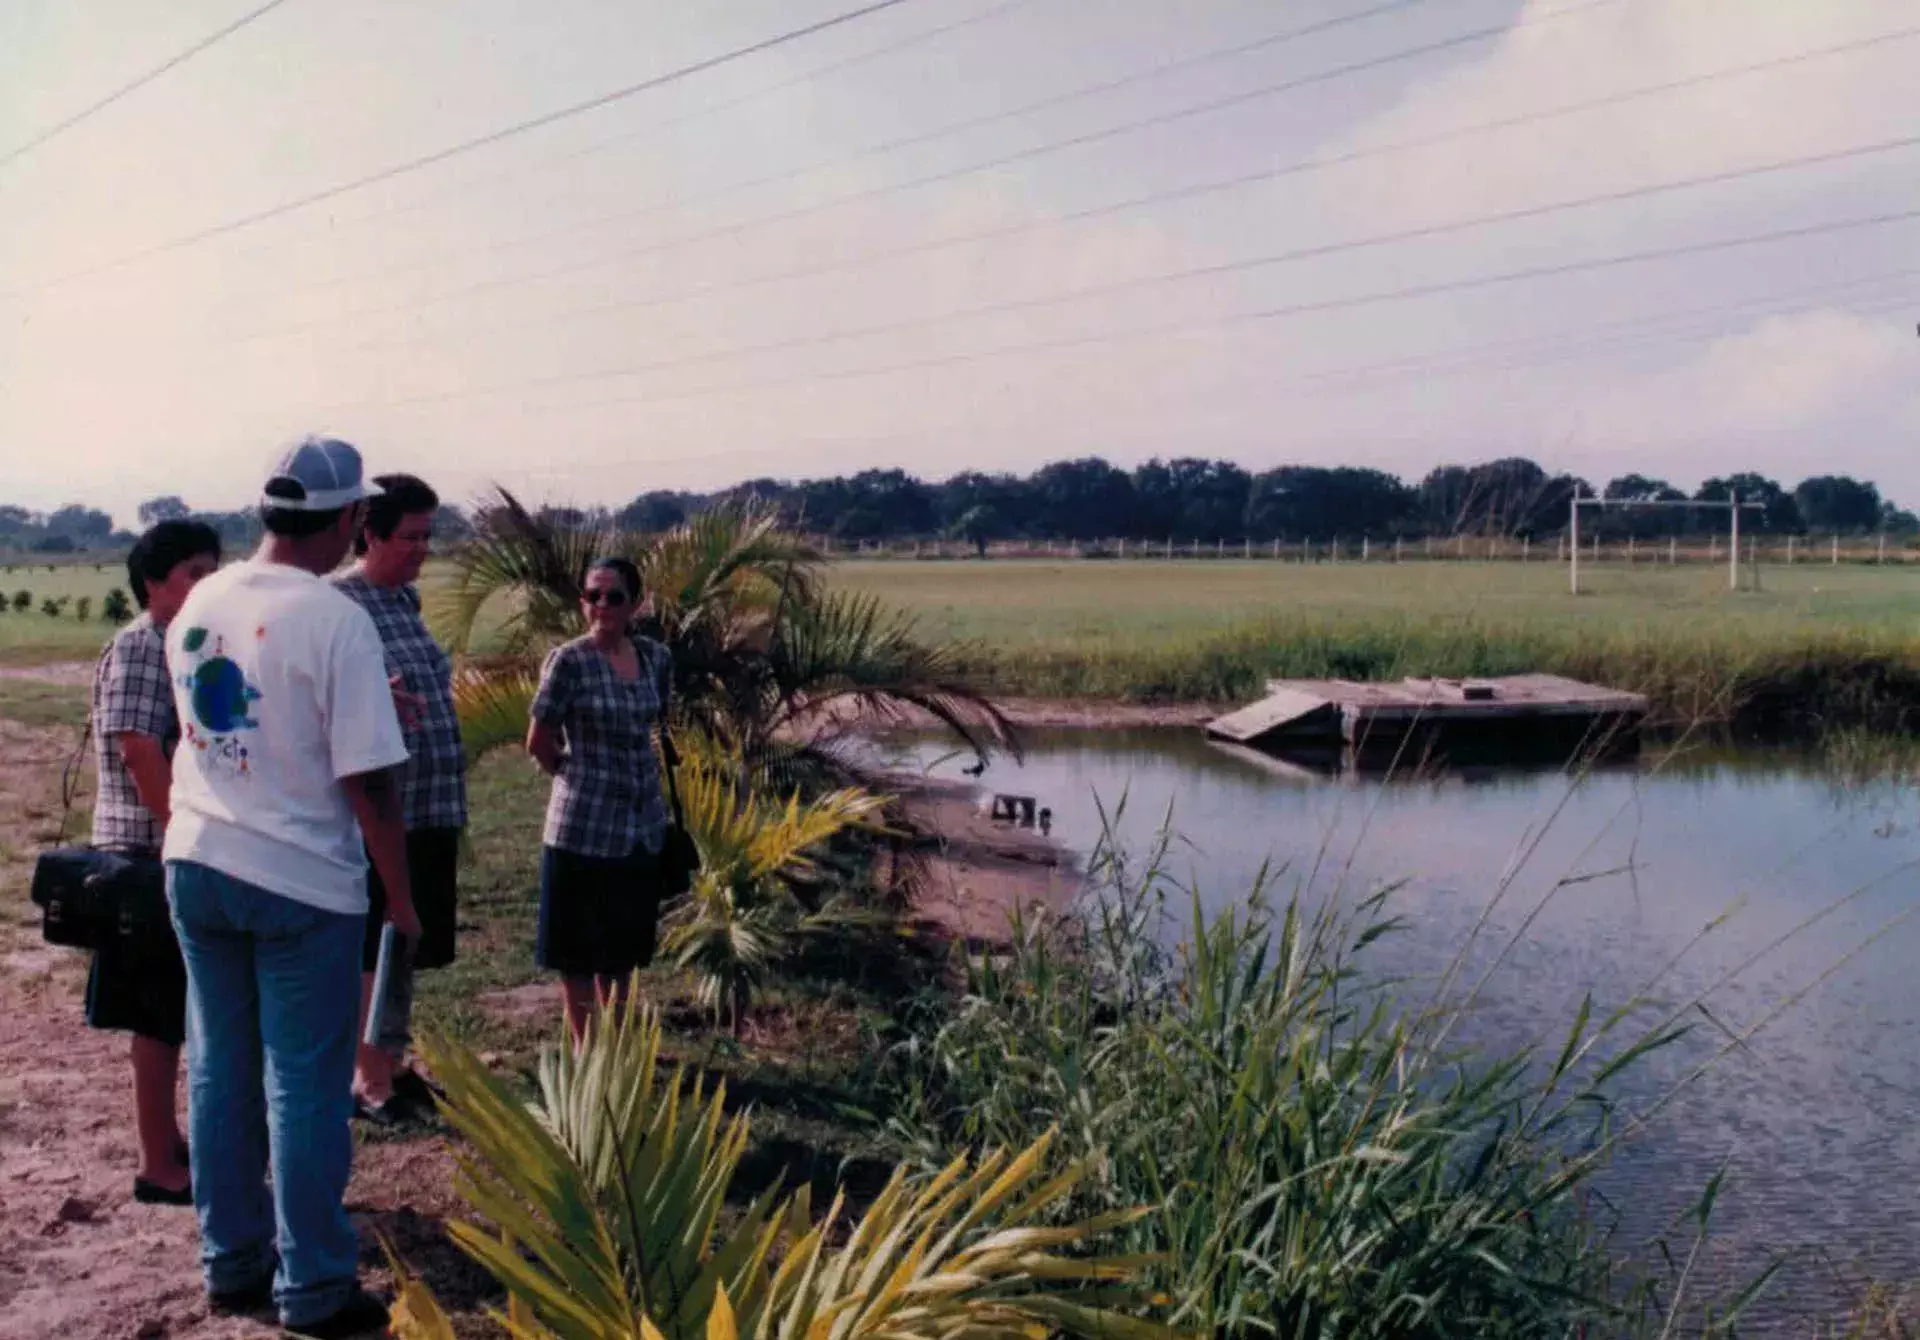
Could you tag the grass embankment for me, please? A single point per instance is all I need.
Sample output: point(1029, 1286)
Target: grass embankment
point(1817, 649)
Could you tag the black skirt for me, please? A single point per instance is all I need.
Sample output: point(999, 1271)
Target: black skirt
point(599, 915)
point(140, 989)
point(433, 867)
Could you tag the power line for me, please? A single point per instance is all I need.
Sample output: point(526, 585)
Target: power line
point(1232, 267)
point(464, 147)
point(1182, 329)
point(1182, 193)
point(888, 147)
point(712, 109)
point(1566, 352)
point(937, 178)
point(20, 151)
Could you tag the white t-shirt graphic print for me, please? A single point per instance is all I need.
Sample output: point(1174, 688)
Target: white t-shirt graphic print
point(281, 686)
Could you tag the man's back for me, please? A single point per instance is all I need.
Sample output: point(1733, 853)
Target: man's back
point(281, 688)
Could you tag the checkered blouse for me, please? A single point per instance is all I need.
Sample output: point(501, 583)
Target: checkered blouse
point(435, 784)
point(131, 695)
point(606, 797)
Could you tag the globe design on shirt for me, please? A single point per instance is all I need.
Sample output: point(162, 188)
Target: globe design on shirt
point(221, 700)
point(221, 696)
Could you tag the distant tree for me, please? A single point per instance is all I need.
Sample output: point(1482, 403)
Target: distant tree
point(1897, 520)
point(169, 508)
point(1511, 496)
point(55, 544)
point(83, 525)
point(450, 524)
point(1010, 496)
point(980, 526)
point(1779, 513)
point(1643, 523)
point(53, 607)
point(1314, 503)
point(22, 601)
point(1838, 503)
point(116, 607)
point(1083, 499)
point(1198, 499)
point(83, 609)
point(652, 513)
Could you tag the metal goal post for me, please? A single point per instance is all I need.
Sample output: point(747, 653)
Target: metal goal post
point(1731, 505)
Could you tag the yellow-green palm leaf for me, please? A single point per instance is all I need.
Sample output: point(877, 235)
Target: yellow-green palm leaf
point(601, 1201)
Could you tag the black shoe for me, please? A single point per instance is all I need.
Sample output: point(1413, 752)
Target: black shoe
point(242, 1302)
point(363, 1314)
point(387, 1115)
point(152, 1193)
point(417, 1089)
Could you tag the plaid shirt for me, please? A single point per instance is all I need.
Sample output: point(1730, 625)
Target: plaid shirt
point(434, 793)
point(132, 694)
point(606, 797)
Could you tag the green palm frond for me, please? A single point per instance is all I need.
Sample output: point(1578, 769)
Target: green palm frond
point(598, 1208)
point(847, 648)
point(726, 567)
point(530, 564)
point(493, 708)
point(742, 915)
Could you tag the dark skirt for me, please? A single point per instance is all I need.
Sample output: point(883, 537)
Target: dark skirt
point(599, 915)
point(433, 866)
point(140, 989)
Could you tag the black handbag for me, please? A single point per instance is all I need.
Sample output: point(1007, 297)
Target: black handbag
point(92, 899)
point(679, 857)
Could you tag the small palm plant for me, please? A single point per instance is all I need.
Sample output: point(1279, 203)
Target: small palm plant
point(599, 1209)
point(745, 911)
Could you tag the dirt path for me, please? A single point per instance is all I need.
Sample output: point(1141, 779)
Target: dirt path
point(56, 672)
point(78, 1257)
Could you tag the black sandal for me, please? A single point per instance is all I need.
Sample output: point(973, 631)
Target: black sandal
point(152, 1193)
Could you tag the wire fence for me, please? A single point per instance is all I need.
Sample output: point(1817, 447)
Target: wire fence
point(1772, 551)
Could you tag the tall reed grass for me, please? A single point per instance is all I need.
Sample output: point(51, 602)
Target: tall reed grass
point(1320, 1161)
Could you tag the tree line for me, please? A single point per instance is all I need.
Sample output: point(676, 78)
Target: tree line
point(1184, 499)
point(1189, 499)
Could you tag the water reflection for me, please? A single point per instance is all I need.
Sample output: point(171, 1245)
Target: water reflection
point(1785, 899)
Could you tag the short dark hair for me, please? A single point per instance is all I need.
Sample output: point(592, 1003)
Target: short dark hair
point(165, 547)
point(291, 524)
point(400, 497)
point(626, 568)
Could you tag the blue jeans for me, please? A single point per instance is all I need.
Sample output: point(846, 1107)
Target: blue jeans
point(273, 994)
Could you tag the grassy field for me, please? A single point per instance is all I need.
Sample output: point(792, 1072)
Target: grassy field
point(30, 637)
point(1837, 645)
point(1092, 607)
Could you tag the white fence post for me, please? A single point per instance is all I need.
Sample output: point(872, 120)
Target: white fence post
point(1836, 549)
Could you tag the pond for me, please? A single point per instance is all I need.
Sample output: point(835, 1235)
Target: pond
point(1811, 887)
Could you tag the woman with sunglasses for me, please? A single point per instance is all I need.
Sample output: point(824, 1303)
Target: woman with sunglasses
point(601, 697)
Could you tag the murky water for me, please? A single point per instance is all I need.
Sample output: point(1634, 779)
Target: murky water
point(1814, 886)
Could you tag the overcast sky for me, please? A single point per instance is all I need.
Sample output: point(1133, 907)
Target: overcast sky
point(647, 295)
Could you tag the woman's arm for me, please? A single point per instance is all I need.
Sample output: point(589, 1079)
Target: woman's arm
point(146, 762)
point(548, 709)
point(543, 743)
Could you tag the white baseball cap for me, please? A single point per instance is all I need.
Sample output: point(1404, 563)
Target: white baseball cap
point(317, 474)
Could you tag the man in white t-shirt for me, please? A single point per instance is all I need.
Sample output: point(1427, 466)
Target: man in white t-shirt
point(288, 755)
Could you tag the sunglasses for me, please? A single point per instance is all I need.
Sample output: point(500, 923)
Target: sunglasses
point(604, 596)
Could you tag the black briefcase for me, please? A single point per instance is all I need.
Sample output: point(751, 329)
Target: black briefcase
point(89, 899)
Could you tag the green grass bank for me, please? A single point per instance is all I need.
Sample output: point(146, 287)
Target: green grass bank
point(1816, 649)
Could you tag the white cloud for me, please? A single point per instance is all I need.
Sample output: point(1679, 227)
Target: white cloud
point(1780, 374)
